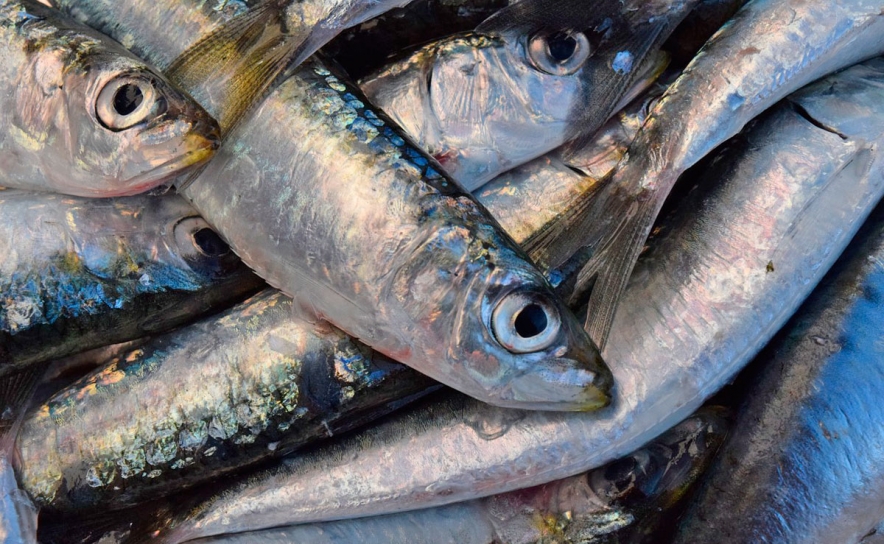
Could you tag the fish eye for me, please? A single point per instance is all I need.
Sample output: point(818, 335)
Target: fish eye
point(559, 54)
point(525, 322)
point(196, 238)
point(126, 101)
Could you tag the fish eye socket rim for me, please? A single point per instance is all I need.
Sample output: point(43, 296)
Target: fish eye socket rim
point(105, 111)
point(185, 241)
point(537, 50)
point(507, 312)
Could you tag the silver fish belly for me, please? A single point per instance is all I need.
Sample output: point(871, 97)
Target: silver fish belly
point(724, 274)
point(618, 502)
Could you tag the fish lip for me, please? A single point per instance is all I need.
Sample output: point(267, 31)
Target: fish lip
point(583, 387)
point(200, 148)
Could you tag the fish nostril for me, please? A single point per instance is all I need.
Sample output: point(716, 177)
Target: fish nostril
point(531, 321)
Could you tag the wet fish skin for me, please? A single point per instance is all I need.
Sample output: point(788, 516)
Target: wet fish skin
point(522, 185)
point(538, 203)
point(805, 445)
point(81, 273)
point(721, 277)
point(250, 383)
point(64, 130)
point(607, 504)
point(768, 50)
point(485, 102)
point(415, 257)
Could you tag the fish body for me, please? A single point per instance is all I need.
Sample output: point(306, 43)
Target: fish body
point(805, 446)
point(527, 81)
point(85, 415)
point(85, 117)
point(250, 383)
point(618, 502)
point(768, 50)
point(365, 231)
point(81, 273)
point(729, 268)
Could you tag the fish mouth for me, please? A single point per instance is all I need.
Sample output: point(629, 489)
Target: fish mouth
point(565, 385)
point(198, 149)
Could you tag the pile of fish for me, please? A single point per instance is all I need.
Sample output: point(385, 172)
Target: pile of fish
point(441, 271)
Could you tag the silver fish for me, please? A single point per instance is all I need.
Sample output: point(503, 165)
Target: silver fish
point(619, 502)
point(722, 276)
point(770, 49)
point(249, 383)
point(364, 231)
point(83, 116)
point(81, 273)
point(532, 77)
point(106, 420)
point(804, 463)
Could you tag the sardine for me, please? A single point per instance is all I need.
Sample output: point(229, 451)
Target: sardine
point(249, 383)
point(724, 273)
point(532, 77)
point(366, 232)
point(804, 463)
point(81, 273)
point(619, 502)
point(83, 116)
point(770, 49)
point(82, 417)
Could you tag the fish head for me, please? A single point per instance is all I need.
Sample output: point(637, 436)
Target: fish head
point(124, 129)
point(499, 333)
point(530, 78)
point(158, 242)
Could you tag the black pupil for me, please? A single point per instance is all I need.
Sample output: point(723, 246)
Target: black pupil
point(531, 321)
point(210, 243)
point(561, 47)
point(127, 99)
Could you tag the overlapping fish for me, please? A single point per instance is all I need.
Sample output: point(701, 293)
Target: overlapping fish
point(421, 274)
point(722, 276)
point(532, 77)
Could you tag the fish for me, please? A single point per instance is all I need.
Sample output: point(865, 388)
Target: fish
point(85, 117)
point(725, 271)
point(235, 65)
point(421, 272)
point(768, 50)
point(804, 463)
point(80, 273)
point(619, 502)
point(93, 414)
point(250, 383)
point(533, 76)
